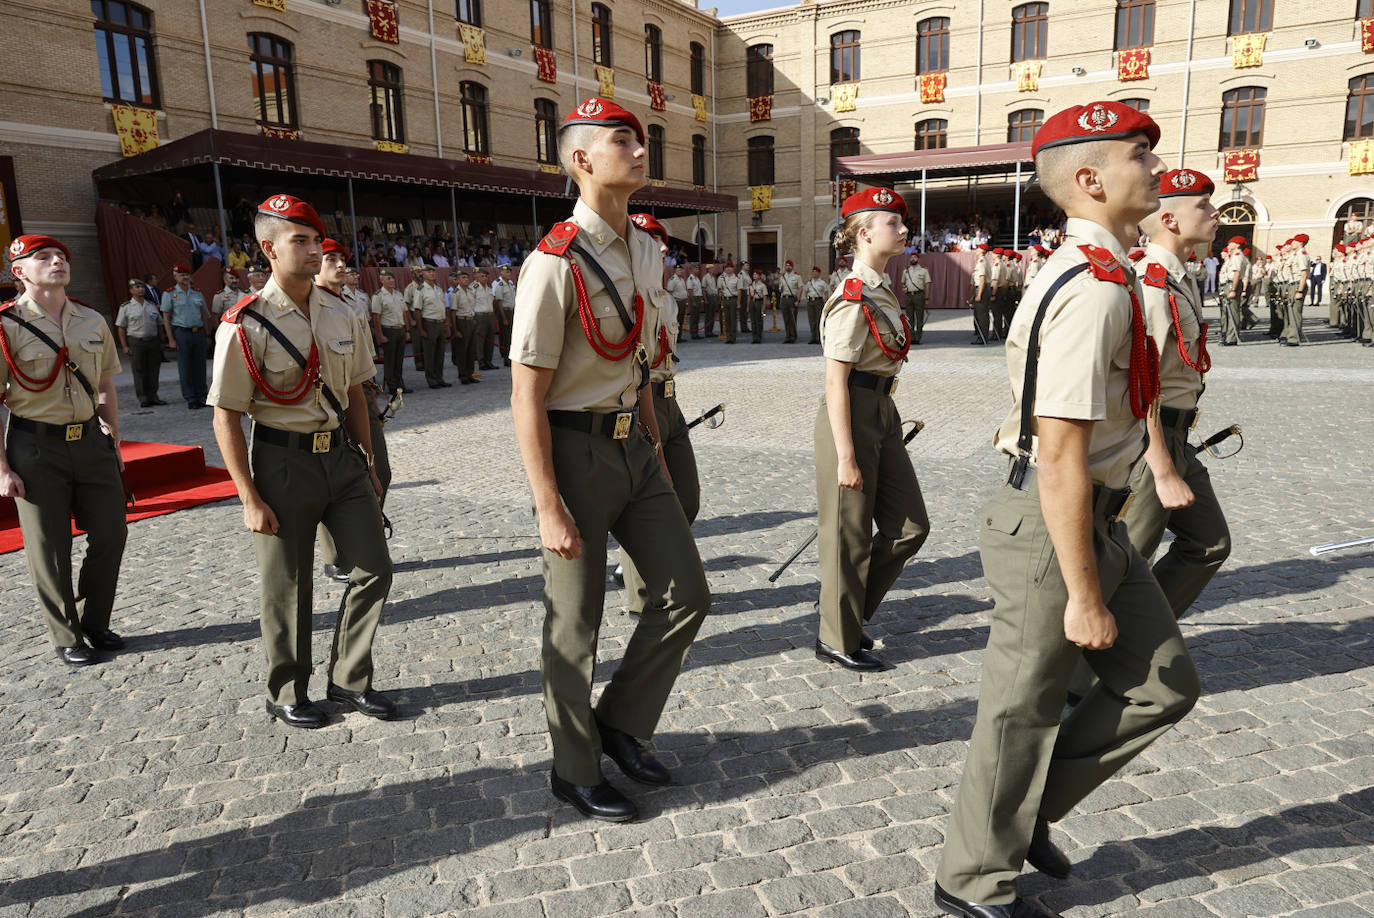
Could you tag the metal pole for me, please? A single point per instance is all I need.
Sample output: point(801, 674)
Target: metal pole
point(219, 200)
point(434, 75)
point(577, 77)
point(1187, 72)
point(353, 224)
point(209, 70)
point(1016, 213)
point(923, 210)
point(453, 213)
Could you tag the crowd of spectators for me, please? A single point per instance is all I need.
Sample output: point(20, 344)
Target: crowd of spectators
point(967, 232)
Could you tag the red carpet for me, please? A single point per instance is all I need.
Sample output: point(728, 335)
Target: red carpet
point(163, 477)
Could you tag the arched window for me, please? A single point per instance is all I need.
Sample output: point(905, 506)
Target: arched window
point(1236, 213)
point(274, 79)
point(932, 44)
point(698, 68)
point(124, 47)
point(387, 108)
point(601, 35)
point(1242, 118)
point(1251, 16)
point(1359, 108)
point(656, 145)
point(653, 53)
point(476, 138)
point(1361, 209)
point(1140, 105)
point(844, 141)
point(758, 70)
point(932, 134)
point(468, 11)
point(761, 160)
point(844, 56)
point(699, 160)
point(1022, 125)
point(1135, 23)
point(541, 23)
point(546, 130)
point(1030, 31)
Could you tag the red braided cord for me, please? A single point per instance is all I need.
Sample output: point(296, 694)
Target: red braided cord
point(890, 354)
point(1204, 360)
point(1144, 384)
point(31, 383)
point(663, 347)
point(290, 396)
point(604, 347)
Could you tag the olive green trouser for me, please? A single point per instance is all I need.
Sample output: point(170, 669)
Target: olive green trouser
point(682, 466)
point(1002, 307)
point(304, 490)
point(329, 551)
point(756, 306)
point(1230, 315)
point(916, 313)
point(730, 319)
point(813, 319)
point(615, 487)
point(465, 345)
point(1278, 291)
point(1337, 294)
point(859, 565)
point(486, 337)
point(982, 310)
point(1022, 762)
point(787, 305)
point(1292, 314)
point(65, 481)
point(712, 310)
point(146, 364)
point(432, 346)
point(393, 358)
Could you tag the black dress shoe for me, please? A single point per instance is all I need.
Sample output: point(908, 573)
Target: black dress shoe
point(105, 639)
point(1018, 908)
point(599, 802)
point(865, 642)
point(637, 763)
point(369, 702)
point(1044, 856)
point(304, 715)
point(334, 572)
point(80, 655)
point(860, 659)
point(158, 401)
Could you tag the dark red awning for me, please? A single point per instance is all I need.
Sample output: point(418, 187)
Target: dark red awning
point(942, 163)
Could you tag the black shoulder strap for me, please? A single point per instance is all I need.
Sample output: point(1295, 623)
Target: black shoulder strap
point(896, 332)
point(600, 272)
point(1023, 440)
point(300, 358)
point(38, 333)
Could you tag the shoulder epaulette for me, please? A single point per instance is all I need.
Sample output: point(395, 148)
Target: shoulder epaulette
point(1102, 264)
point(1156, 275)
point(853, 289)
point(559, 238)
point(232, 313)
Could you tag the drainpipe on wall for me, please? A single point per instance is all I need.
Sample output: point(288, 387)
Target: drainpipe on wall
point(434, 72)
point(1187, 72)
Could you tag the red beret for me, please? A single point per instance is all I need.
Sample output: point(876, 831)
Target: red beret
point(1094, 121)
point(24, 246)
point(998, 251)
point(817, 268)
point(1016, 255)
point(1303, 238)
point(1192, 256)
point(293, 209)
point(1041, 249)
point(983, 247)
point(1269, 258)
point(1177, 182)
point(1247, 252)
point(730, 265)
point(604, 113)
point(883, 199)
point(180, 268)
point(1338, 247)
point(650, 225)
point(334, 247)
point(788, 264)
point(1236, 240)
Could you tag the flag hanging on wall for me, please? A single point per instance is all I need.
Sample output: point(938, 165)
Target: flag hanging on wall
point(842, 189)
point(699, 103)
point(1241, 166)
point(391, 146)
point(137, 129)
point(605, 78)
point(1361, 158)
point(844, 95)
point(278, 5)
point(1133, 64)
point(480, 159)
point(933, 87)
point(761, 107)
point(760, 197)
point(546, 63)
point(280, 133)
point(1028, 76)
point(1367, 36)
point(474, 43)
point(1248, 50)
point(657, 100)
point(385, 24)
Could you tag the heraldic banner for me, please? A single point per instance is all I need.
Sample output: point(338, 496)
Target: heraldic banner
point(1133, 64)
point(761, 107)
point(280, 133)
point(844, 95)
point(933, 87)
point(605, 78)
point(657, 100)
point(385, 24)
point(137, 129)
point(546, 64)
point(1241, 166)
point(1367, 36)
point(760, 197)
point(474, 43)
point(1361, 158)
point(699, 103)
point(1248, 50)
point(1028, 76)
point(278, 5)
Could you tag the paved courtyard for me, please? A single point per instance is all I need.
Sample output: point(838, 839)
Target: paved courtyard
point(155, 785)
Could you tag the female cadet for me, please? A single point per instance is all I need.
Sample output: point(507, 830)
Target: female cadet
point(864, 477)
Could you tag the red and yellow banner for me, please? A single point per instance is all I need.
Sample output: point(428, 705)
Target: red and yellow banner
point(1361, 158)
point(280, 133)
point(1248, 50)
point(546, 64)
point(657, 101)
point(1028, 75)
point(605, 81)
point(844, 96)
point(761, 107)
point(842, 189)
point(391, 146)
point(474, 43)
point(760, 197)
point(385, 21)
point(699, 103)
point(933, 87)
point(136, 127)
point(479, 159)
point(1133, 64)
point(1367, 36)
point(549, 169)
point(1241, 166)
point(278, 5)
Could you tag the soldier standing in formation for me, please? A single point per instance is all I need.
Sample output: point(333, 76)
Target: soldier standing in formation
point(1233, 269)
point(758, 301)
point(817, 290)
point(677, 288)
point(584, 418)
point(291, 359)
point(503, 295)
point(1295, 270)
point(729, 297)
point(137, 327)
point(227, 297)
point(61, 459)
point(391, 320)
point(695, 303)
point(746, 277)
point(864, 478)
point(789, 294)
point(484, 311)
point(710, 293)
point(915, 281)
point(187, 320)
point(428, 313)
point(982, 287)
point(1064, 575)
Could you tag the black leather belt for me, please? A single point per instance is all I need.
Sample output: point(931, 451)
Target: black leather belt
point(1177, 418)
point(883, 385)
point(1108, 503)
point(321, 441)
point(189, 328)
point(665, 389)
point(69, 432)
point(617, 425)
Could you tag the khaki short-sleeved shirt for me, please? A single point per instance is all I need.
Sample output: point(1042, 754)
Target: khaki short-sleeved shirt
point(139, 319)
point(428, 300)
point(463, 302)
point(223, 300)
point(481, 298)
point(1032, 269)
point(355, 300)
point(1302, 264)
point(1179, 385)
point(1084, 358)
point(708, 283)
point(845, 334)
point(980, 271)
point(390, 308)
point(503, 292)
point(548, 333)
point(693, 286)
point(758, 290)
point(90, 344)
point(817, 289)
point(677, 286)
point(790, 284)
point(915, 278)
point(345, 355)
point(729, 285)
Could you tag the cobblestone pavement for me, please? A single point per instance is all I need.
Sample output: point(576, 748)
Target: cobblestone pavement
point(154, 784)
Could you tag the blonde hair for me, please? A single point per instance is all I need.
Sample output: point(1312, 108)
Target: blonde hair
point(1056, 167)
point(847, 237)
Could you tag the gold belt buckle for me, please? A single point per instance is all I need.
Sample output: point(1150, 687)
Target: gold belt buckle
point(623, 420)
point(892, 387)
point(74, 432)
point(669, 388)
point(322, 442)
